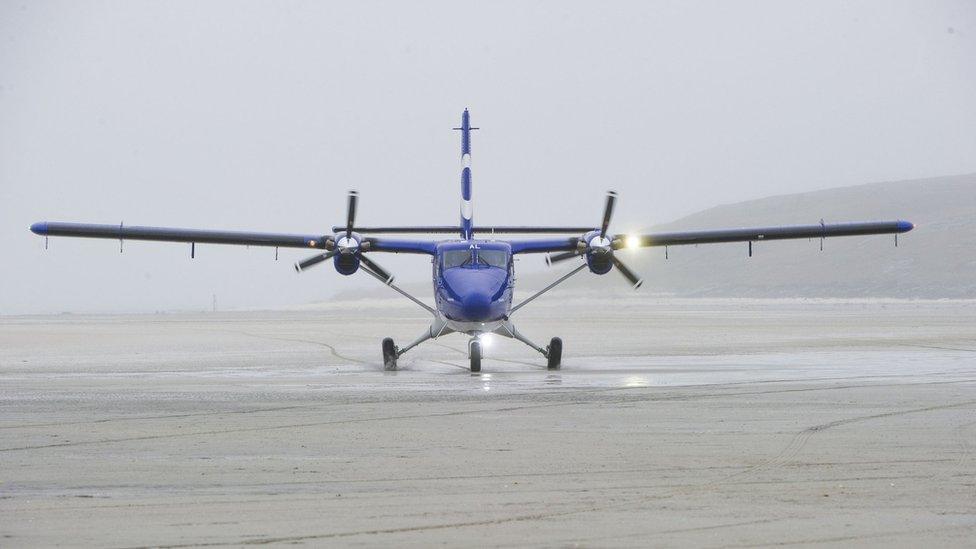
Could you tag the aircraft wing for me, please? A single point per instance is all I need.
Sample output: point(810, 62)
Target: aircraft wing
point(400, 246)
point(541, 245)
point(198, 236)
point(759, 234)
point(168, 234)
point(749, 234)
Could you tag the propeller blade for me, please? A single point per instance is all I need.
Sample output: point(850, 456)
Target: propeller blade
point(628, 274)
point(383, 273)
point(607, 213)
point(314, 260)
point(551, 259)
point(351, 212)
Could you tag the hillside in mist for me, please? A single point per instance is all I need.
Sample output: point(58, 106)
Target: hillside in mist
point(936, 260)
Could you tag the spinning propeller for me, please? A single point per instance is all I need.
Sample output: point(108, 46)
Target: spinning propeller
point(598, 249)
point(350, 248)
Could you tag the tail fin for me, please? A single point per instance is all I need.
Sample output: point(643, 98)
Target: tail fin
point(467, 212)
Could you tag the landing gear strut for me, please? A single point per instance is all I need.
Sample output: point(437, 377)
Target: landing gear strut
point(391, 352)
point(553, 353)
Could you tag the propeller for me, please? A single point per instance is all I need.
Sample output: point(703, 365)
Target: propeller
point(552, 259)
point(336, 244)
point(347, 245)
point(600, 245)
point(380, 272)
point(608, 212)
point(351, 212)
point(314, 260)
point(635, 280)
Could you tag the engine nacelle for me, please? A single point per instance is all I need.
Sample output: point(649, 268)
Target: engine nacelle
point(346, 259)
point(346, 264)
point(598, 254)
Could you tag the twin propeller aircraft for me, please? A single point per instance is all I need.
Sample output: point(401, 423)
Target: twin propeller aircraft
point(473, 277)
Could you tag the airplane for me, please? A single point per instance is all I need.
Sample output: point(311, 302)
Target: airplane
point(473, 272)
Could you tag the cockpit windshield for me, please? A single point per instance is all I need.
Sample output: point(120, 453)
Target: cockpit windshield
point(493, 258)
point(456, 258)
point(475, 257)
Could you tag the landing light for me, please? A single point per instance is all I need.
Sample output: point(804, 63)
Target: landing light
point(486, 340)
point(632, 241)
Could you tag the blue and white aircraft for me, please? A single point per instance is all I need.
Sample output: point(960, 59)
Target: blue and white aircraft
point(473, 273)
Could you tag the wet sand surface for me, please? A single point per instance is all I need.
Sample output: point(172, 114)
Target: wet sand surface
point(712, 423)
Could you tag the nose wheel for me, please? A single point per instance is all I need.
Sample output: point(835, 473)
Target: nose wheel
point(474, 351)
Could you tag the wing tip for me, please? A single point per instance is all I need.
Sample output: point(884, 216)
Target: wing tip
point(905, 226)
point(39, 228)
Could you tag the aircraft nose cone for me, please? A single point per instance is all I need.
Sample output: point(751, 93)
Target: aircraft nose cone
point(477, 306)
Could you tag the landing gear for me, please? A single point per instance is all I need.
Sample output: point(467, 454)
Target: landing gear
point(389, 354)
point(555, 353)
point(474, 350)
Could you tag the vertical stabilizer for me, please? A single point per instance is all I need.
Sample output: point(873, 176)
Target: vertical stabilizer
point(467, 211)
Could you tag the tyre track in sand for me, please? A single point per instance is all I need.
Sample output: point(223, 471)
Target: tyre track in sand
point(331, 348)
point(800, 439)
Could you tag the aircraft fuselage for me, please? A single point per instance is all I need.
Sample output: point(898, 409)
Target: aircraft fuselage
point(473, 284)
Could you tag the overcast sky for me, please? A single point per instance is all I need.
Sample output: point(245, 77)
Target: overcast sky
point(244, 115)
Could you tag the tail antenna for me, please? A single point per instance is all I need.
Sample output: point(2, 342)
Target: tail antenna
point(465, 128)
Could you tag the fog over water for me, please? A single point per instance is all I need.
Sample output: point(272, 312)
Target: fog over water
point(260, 116)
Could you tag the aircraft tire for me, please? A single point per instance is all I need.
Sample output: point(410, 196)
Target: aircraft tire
point(555, 353)
point(389, 354)
point(475, 356)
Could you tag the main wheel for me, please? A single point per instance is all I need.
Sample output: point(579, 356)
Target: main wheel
point(475, 350)
point(555, 353)
point(389, 354)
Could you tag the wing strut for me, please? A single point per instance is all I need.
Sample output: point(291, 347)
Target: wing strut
point(389, 282)
point(549, 287)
